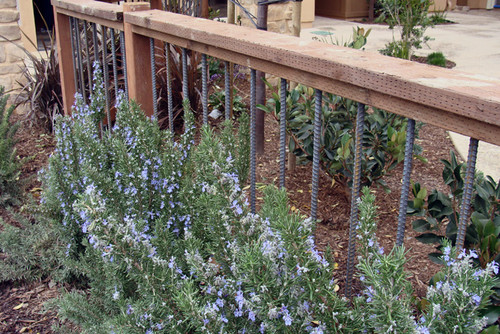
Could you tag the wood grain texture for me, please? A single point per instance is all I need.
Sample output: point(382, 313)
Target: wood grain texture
point(457, 101)
point(138, 62)
point(97, 9)
point(64, 53)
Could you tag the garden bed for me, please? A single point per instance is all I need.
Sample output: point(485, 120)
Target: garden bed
point(333, 211)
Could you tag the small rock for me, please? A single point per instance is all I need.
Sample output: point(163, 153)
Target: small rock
point(215, 114)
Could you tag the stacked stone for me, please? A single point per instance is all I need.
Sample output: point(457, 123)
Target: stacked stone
point(11, 56)
point(279, 16)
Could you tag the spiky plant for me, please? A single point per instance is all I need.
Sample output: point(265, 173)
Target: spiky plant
point(9, 162)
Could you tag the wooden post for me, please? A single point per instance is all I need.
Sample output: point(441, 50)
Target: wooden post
point(138, 65)
point(156, 4)
point(230, 12)
point(204, 9)
point(65, 54)
point(296, 17)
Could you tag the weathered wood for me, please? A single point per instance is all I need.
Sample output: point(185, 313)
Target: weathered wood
point(138, 61)
point(457, 101)
point(64, 54)
point(118, 25)
point(204, 9)
point(101, 10)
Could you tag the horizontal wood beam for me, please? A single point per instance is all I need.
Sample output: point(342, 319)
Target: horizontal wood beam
point(118, 25)
point(453, 100)
point(91, 8)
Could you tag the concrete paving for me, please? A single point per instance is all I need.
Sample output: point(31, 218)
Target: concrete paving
point(472, 42)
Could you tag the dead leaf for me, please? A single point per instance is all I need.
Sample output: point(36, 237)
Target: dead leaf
point(18, 306)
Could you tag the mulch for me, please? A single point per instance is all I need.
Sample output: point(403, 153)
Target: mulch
point(22, 304)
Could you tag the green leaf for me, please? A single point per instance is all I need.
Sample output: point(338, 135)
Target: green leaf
point(429, 238)
point(421, 225)
point(492, 313)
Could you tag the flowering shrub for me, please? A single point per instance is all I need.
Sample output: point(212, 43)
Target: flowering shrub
point(161, 236)
point(452, 304)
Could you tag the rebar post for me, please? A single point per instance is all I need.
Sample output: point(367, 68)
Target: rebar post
point(282, 132)
point(227, 90)
point(79, 59)
point(169, 89)
point(153, 77)
point(87, 53)
point(185, 82)
point(405, 188)
point(356, 184)
point(253, 108)
point(124, 62)
point(75, 73)
point(96, 43)
point(204, 87)
point(115, 65)
point(316, 143)
point(467, 194)
point(105, 72)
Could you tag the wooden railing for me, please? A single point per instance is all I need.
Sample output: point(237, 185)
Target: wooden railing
point(452, 100)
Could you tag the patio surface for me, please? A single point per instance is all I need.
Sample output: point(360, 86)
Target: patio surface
point(472, 42)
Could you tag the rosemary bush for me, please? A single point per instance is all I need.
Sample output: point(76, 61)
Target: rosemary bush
point(9, 162)
point(161, 237)
point(453, 304)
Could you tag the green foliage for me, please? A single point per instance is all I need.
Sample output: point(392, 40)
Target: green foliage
point(383, 139)
point(41, 85)
point(161, 239)
point(217, 100)
point(30, 251)
point(439, 18)
point(176, 79)
point(10, 164)
point(437, 59)
point(455, 302)
point(411, 18)
point(439, 209)
point(357, 41)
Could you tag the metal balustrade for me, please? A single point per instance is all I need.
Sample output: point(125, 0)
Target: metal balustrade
point(452, 100)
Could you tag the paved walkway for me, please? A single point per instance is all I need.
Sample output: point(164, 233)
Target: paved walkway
point(472, 42)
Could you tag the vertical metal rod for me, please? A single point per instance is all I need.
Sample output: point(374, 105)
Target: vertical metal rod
point(153, 77)
point(124, 62)
point(282, 132)
point(96, 43)
point(185, 82)
point(467, 194)
point(405, 188)
point(169, 89)
point(227, 88)
point(72, 27)
point(204, 87)
point(262, 14)
point(253, 107)
point(356, 184)
point(79, 59)
point(106, 72)
point(316, 143)
point(115, 65)
point(87, 53)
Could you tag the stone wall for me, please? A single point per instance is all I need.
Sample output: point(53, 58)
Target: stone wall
point(11, 55)
point(279, 16)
